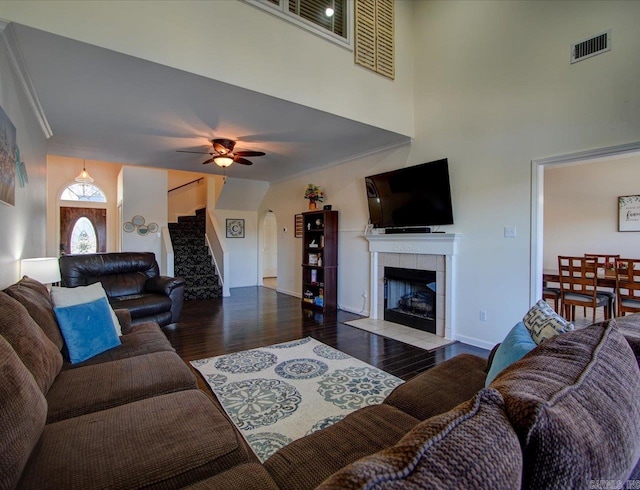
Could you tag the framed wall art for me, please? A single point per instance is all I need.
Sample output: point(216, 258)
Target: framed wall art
point(7, 160)
point(629, 213)
point(298, 226)
point(235, 228)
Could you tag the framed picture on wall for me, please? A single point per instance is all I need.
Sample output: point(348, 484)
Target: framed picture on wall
point(629, 213)
point(7, 160)
point(235, 228)
point(298, 226)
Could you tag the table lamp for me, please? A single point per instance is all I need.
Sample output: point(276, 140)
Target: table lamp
point(43, 269)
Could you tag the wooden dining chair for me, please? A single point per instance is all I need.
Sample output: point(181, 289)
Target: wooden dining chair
point(578, 276)
point(606, 265)
point(628, 286)
point(552, 294)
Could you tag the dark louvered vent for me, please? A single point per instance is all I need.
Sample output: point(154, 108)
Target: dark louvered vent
point(591, 47)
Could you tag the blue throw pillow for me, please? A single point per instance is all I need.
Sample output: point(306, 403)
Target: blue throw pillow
point(87, 329)
point(514, 347)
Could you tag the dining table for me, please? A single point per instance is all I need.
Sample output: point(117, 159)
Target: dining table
point(603, 280)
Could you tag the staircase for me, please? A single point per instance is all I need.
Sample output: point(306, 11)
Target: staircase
point(191, 259)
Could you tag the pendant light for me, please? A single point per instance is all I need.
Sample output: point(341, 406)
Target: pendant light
point(84, 177)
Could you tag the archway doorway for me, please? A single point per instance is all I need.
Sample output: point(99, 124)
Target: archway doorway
point(270, 251)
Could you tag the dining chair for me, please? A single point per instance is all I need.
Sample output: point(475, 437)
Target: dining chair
point(551, 294)
point(628, 285)
point(578, 278)
point(606, 264)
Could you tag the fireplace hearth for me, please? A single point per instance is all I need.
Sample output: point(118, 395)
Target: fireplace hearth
point(410, 298)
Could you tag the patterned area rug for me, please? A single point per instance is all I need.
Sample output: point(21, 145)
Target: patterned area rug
point(279, 393)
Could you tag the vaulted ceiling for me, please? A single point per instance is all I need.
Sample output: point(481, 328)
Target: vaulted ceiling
point(107, 106)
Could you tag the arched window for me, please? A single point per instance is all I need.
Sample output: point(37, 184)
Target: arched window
point(83, 237)
point(83, 192)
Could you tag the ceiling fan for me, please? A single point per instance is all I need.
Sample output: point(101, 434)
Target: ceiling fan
point(222, 153)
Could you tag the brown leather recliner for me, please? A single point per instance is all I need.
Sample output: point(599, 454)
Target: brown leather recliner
point(131, 280)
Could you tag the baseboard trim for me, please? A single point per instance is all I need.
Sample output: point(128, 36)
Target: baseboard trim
point(290, 293)
point(474, 342)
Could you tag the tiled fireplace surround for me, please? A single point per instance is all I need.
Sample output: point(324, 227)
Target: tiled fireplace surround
point(420, 251)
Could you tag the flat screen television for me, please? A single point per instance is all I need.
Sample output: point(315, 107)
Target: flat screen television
point(412, 196)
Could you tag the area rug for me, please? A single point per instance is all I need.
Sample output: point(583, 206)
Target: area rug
point(279, 393)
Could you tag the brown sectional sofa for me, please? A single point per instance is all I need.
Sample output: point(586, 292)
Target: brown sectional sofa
point(564, 416)
point(131, 417)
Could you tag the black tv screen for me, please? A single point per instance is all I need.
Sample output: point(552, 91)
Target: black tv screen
point(412, 196)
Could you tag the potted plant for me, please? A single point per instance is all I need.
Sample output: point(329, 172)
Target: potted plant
point(314, 194)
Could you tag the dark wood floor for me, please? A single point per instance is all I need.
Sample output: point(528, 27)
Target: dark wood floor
point(256, 316)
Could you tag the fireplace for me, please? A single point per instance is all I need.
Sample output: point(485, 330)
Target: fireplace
point(421, 252)
point(410, 298)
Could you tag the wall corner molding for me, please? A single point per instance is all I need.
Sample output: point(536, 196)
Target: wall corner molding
point(17, 62)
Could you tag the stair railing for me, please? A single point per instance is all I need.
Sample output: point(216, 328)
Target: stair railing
point(217, 245)
point(166, 253)
point(185, 185)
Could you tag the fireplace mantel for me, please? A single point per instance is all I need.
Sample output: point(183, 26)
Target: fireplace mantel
point(439, 244)
point(415, 243)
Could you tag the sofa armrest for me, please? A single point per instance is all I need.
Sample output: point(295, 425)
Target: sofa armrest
point(172, 287)
point(163, 284)
point(124, 319)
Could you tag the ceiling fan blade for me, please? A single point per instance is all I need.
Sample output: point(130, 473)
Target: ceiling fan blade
point(242, 161)
point(249, 153)
point(208, 161)
point(198, 152)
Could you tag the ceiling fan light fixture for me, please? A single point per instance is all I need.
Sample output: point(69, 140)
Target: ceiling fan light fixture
point(223, 161)
point(84, 177)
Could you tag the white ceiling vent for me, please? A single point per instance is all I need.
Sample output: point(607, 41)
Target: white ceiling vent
point(593, 46)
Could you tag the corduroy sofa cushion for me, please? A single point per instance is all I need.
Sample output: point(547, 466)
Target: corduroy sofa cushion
point(248, 476)
point(167, 441)
point(471, 446)
point(573, 402)
point(629, 326)
point(41, 357)
point(23, 411)
point(145, 338)
point(306, 462)
point(441, 388)
point(36, 299)
point(89, 389)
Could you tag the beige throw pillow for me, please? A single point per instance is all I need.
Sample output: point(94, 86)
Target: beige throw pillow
point(83, 294)
point(544, 323)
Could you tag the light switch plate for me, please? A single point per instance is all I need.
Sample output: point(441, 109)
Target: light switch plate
point(509, 231)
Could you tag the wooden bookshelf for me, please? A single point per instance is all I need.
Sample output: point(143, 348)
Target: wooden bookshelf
point(320, 260)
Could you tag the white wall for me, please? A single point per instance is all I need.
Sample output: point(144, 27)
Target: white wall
point(144, 193)
point(185, 200)
point(345, 191)
point(22, 225)
point(241, 194)
point(512, 98)
point(61, 171)
point(581, 209)
point(237, 43)
point(243, 252)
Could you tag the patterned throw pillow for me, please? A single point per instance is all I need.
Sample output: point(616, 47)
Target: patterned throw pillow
point(544, 323)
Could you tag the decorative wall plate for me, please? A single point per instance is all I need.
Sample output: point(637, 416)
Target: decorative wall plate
point(137, 220)
point(128, 227)
point(153, 227)
point(143, 230)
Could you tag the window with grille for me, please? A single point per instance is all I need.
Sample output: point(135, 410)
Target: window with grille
point(83, 237)
point(83, 192)
point(313, 15)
